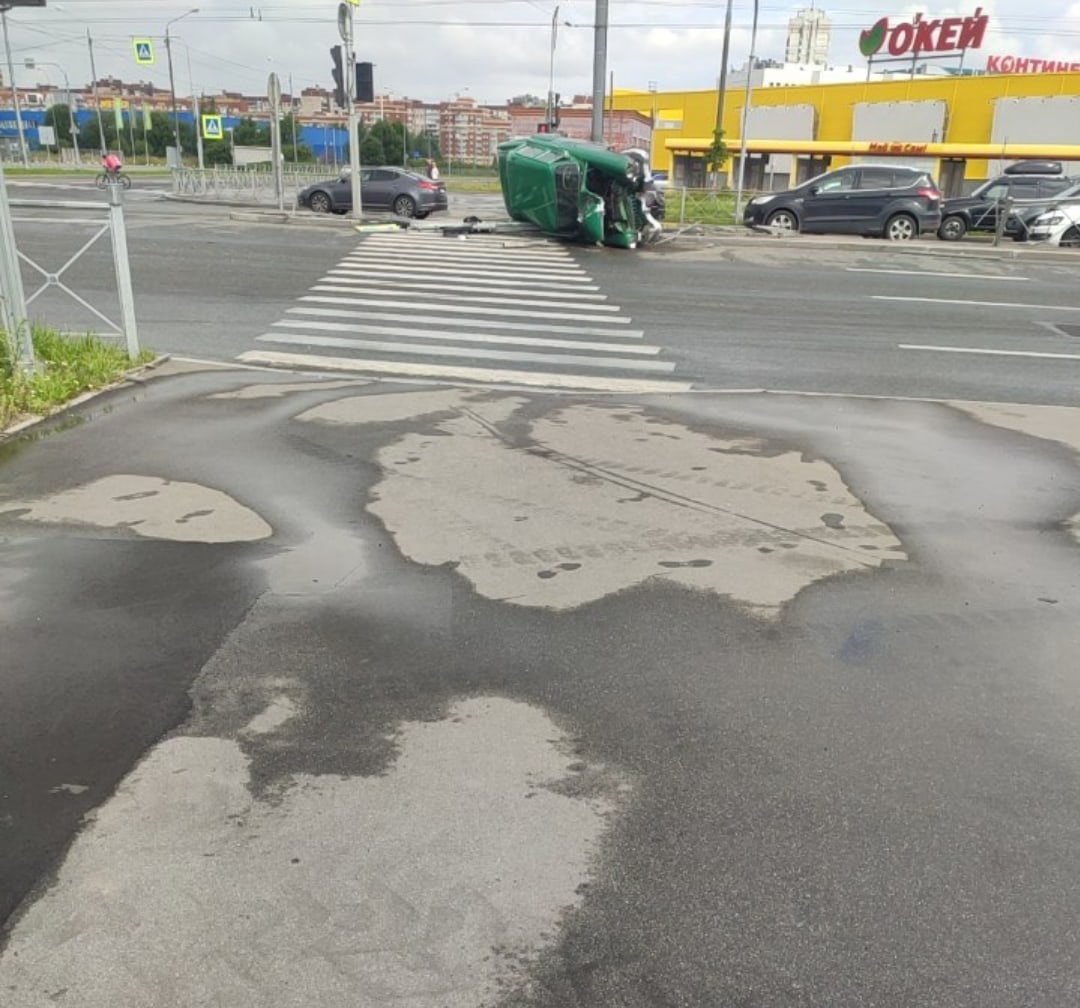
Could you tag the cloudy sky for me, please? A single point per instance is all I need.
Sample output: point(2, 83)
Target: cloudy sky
point(489, 49)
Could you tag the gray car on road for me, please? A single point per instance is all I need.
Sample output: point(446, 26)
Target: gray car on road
point(402, 192)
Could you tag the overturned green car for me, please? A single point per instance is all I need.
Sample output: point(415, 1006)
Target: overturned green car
point(580, 191)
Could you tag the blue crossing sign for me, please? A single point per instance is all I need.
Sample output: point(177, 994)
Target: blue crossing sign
point(144, 51)
point(211, 127)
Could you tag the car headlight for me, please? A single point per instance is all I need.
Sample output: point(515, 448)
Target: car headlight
point(1051, 221)
point(760, 200)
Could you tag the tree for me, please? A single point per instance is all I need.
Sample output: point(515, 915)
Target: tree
point(717, 154)
point(59, 117)
point(249, 133)
point(391, 136)
point(371, 150)
point(217, 152)
point(528, 100)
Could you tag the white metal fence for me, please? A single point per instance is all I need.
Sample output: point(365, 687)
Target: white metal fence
point(15, 304)
point(246, 185)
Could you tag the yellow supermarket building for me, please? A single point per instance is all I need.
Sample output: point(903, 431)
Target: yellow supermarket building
point(962, 128)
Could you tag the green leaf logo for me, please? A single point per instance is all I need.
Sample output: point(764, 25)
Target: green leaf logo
point(871, 40)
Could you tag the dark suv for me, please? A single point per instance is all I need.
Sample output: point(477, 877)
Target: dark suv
point(883, 201)
point(979, 211)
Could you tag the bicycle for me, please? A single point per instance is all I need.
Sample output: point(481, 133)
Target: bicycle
point(112, 178)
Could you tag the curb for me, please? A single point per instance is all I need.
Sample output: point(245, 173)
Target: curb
point(136, 376)
point(972, 250)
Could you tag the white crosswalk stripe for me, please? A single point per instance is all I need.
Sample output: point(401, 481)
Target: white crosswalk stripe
point(490, 310)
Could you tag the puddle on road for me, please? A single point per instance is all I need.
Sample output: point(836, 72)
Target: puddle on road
point(396, 889)
point(607, 498)
point(147, 506)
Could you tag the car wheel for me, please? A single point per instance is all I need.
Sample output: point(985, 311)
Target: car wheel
point(405, 206)
point(320, 203)
point(1071, 238)
point(952, 229)
point(901, 227)
point(785, 220)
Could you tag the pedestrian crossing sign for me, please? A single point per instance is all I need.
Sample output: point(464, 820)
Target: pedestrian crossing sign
point(211, 127)
point(144, 51)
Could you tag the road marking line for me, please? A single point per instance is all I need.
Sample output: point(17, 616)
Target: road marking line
point(382, 266)
point(534, 288)
point(455, 253)
point(978, 304)
point(989, 353)
point(925, 273)
point(466, 337)
point(448, 372)
point(478, 310)
point(506, 297)
point(471, 323)
point(470, 353)
point(345, 269)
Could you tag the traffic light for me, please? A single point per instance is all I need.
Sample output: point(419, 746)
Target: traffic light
point(339, 77)
point(365, 84)
point(543, 128)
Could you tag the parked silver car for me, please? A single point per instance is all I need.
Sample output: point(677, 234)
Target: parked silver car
point(398, 190)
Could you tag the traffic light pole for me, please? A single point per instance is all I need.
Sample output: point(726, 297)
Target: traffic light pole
point(354, 137)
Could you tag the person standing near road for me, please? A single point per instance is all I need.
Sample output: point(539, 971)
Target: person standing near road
point(432, 169)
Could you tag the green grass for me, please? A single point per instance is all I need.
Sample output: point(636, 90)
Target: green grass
point(701, 207)
point(472, 184)
point(66, 367)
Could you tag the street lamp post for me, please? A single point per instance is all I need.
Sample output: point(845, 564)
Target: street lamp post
point(71, 112)
point(172, 82)
point(551, 69)
point(745, 115)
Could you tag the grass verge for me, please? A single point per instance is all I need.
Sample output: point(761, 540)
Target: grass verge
point(67, 366)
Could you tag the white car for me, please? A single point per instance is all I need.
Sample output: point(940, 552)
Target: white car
point(1060, 226)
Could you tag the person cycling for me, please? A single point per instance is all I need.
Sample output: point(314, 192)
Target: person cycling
point(112, 164)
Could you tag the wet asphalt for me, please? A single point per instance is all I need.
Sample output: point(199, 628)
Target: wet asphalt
point(871, 800)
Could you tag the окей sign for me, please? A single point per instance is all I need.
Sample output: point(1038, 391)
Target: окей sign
point(921, 35)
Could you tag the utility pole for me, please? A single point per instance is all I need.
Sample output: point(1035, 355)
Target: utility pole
point(292, 114)
point(745, 119)
point(14, 90)
point(721, 90)
point(551, 71)
point(346, 29)
point(172, 85)
point(599, 70)
point(97, 99)
point(172, 91)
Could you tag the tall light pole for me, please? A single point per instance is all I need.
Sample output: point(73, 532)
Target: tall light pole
point(599, 70)
point(172, 82)
point(14, 90)
point(30, 64)
point(745, 115)
point(551, 69)
point(721, 89)
point(194, 101)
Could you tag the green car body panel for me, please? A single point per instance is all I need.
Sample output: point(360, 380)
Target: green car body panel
point(573, 189)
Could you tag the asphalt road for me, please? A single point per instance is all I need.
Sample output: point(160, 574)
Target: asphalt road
point(380, 694)
point(853, 318)
point(322, 690)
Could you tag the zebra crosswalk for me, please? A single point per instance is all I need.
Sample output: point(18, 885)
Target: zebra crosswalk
point(488, 309)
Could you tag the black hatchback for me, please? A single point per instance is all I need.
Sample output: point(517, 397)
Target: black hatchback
point(883, 201)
